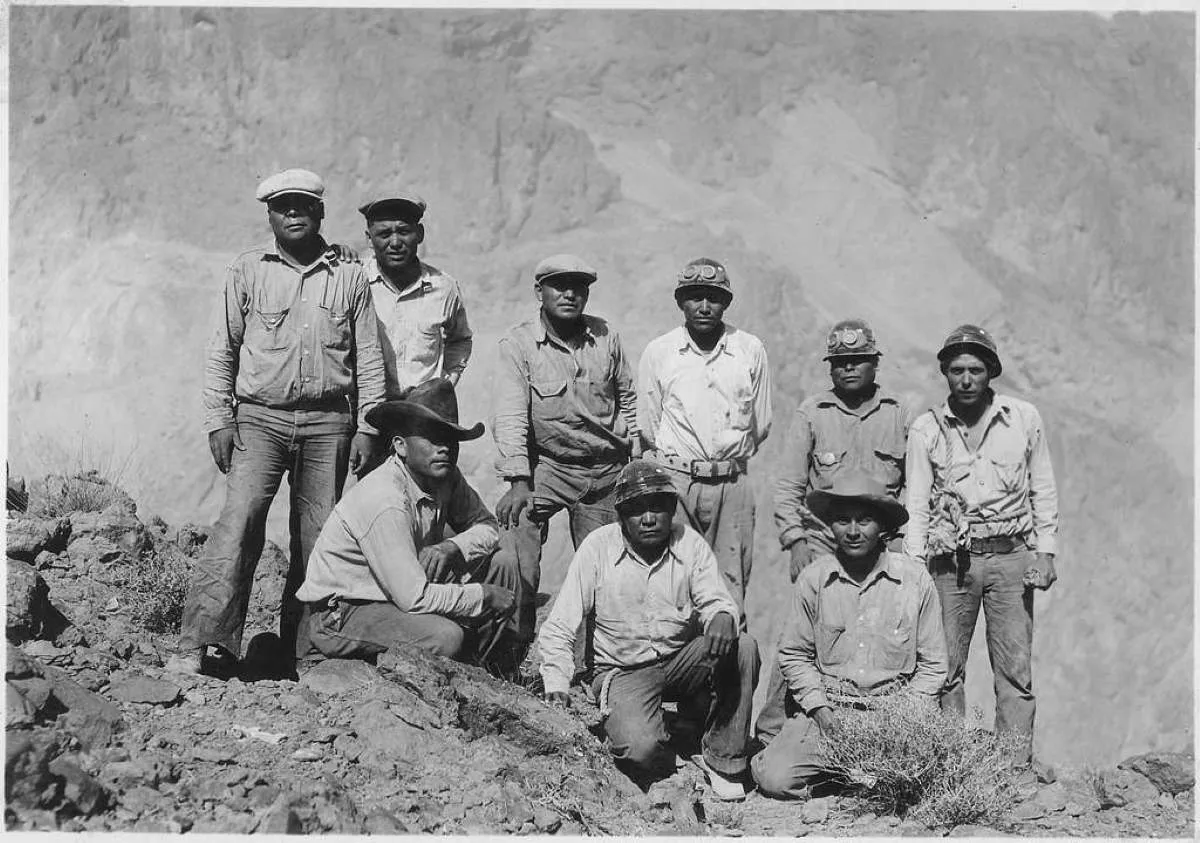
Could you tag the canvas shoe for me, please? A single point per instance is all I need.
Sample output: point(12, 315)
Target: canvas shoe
point(723, 787)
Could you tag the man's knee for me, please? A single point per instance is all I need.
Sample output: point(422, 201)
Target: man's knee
point(747, 653)
point(445, 639)
point(644, 752)
point(779, 776)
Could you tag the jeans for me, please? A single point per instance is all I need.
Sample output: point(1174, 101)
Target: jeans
point(795, 759)
point(995, 581)
point(361, 629)
point(586, 493)
point(637, 735)
point(312, 448)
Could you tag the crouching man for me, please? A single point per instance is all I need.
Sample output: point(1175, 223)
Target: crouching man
point(661, 626)
point(864, 623)
point(381, 574)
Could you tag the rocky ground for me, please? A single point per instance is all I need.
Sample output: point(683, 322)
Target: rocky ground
point(101, 738)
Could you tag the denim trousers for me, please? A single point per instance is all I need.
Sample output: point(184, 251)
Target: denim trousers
point(312, 448)
point(586, 493)
point(995, 581)
point(722, 688)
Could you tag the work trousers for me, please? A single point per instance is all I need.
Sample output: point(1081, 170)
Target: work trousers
point(586, 493)
point(362, 629)
point(312, 448)
point(723, 688)
point(994, 580)
point(721, 510)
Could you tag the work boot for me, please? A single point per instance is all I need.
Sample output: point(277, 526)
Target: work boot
point(186, 663)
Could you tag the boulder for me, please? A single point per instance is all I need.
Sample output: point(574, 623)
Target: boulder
point(81, 793)
point(92, 719)
point(28, 780)
point(107, 535)
point(1170, 772)
point(143, 689)
point(27, 536)
point(28, 601)
point(1118, 788)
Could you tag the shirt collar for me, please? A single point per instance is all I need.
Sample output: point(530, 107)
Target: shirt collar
point(885, 566)
point(415, 492)
point(668, 555)
point(1000, 408)
point(271, 252)
point(542, 334)
point(687, 344)
point(422, 284)
point(829, 398)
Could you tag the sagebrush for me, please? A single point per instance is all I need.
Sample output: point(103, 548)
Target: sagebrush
point(908, 757)
point(85, 491)
point(156, 585)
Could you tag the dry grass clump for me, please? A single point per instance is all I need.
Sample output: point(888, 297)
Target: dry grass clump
point(84, 491)
point(157, 584)
point(908, 757)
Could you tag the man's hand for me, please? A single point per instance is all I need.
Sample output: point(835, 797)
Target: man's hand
point(342, 252)
point(1041, 573)
point(497, 600)
point(721, 635)
point(221, 443)
point(441, 561)
point(517, 498)
point(825, 720)
point(801, 555)
point(362, 453)
point(558, 698)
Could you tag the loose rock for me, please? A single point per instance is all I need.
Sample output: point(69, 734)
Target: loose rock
point(143, 689)
point(1170, 772)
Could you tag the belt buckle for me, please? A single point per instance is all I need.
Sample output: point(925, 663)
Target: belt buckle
point(700, 468)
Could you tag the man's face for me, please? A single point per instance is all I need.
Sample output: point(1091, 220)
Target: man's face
point(703, 308)
point(647, 522)
point(854, 374)
point(395, 242)
point(563, 297)
point(294, 217)
point(429, 451)
point(856, 528)
point(968, 379)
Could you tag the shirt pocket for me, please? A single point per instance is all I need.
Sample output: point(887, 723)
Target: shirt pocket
point(889, 466)
point(1010, 472)
point(824, 464)
point(548, 399)
point(335, 329)
point(894, 649)
point(833, 644)
point(267, 330)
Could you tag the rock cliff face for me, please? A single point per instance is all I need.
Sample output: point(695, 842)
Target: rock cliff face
point(1031, 172)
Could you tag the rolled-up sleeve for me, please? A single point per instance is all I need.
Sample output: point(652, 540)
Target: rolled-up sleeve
point(918, 484)
point(458, 337)
point(1043, 493)
point(476, 531)
point(932, 665)
point(510, 425)
point(221, 352)
point(791, 510)
point(556, 640)
point(798, 649)
point(370, 382)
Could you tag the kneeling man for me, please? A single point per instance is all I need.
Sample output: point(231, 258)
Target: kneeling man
point(381, 574)
point(864, 623)
point(661, 626)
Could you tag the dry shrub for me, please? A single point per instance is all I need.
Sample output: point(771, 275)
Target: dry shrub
point(84, 491)
point(156, 585)
point(908, 757)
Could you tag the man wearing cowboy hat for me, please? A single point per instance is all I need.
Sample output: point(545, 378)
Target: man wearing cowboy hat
point(989, 452)
point(293, 363)
point(382, 574)
point(422, 317)
point(661, 626)
point(857, 423)
point(704, 408)
point(565, 423)
point(864, 622)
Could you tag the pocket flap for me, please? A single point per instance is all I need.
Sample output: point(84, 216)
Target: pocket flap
point(549, 389)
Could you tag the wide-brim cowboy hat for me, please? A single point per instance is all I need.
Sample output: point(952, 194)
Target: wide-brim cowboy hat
point(432, 402)
point(855, 485)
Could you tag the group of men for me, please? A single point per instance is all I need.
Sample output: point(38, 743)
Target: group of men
point(320, 365)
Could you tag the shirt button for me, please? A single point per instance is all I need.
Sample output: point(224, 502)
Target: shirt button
point(303, 300)
point(306, 326)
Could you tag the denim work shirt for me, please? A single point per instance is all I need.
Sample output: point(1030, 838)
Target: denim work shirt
point(1008, 483)
point(638, 612)
point(844, 639)
point(424, 325)
point(826, 435)
point(705, 405)
point(292, 339)
point(368, 548)
point(571, 402)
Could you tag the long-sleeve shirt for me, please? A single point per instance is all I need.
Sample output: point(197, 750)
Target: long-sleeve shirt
point(845, 639)
point(705, 405)
point(425, 327)
point(291, 338)
point(1007, 483)
point(368, 548)
point(826, 435)
point(572, 402)
point(638, 611)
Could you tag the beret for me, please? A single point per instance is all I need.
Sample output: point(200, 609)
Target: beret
point(290, 181)
point(563, 265)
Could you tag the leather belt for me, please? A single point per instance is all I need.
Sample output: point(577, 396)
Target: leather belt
point(701, 469)
point(998, 544)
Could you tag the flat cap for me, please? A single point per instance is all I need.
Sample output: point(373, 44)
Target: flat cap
point(558, 266)
point(404, 204)
point(290, 181)
point(703, 272)
point(851, 338)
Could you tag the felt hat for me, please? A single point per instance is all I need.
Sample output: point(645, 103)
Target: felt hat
point(852, 484)
point(432, 402)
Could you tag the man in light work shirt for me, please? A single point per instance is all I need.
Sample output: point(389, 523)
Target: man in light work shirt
point(565, 423)
point(855, 424)
point(989, 452)
point(704, 408)
point(382, 574)
point(421, 313)
point(293, 358)
point(864, 622)
point(660, 626)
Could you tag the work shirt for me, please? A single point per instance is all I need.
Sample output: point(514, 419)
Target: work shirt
point(368, 548)
point(292, 339)
point(705, 405)
point(639, 612)
point(424, 325)
point(572, 402)
point(825, 435)
point(1008, 483)
point(844, 639)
